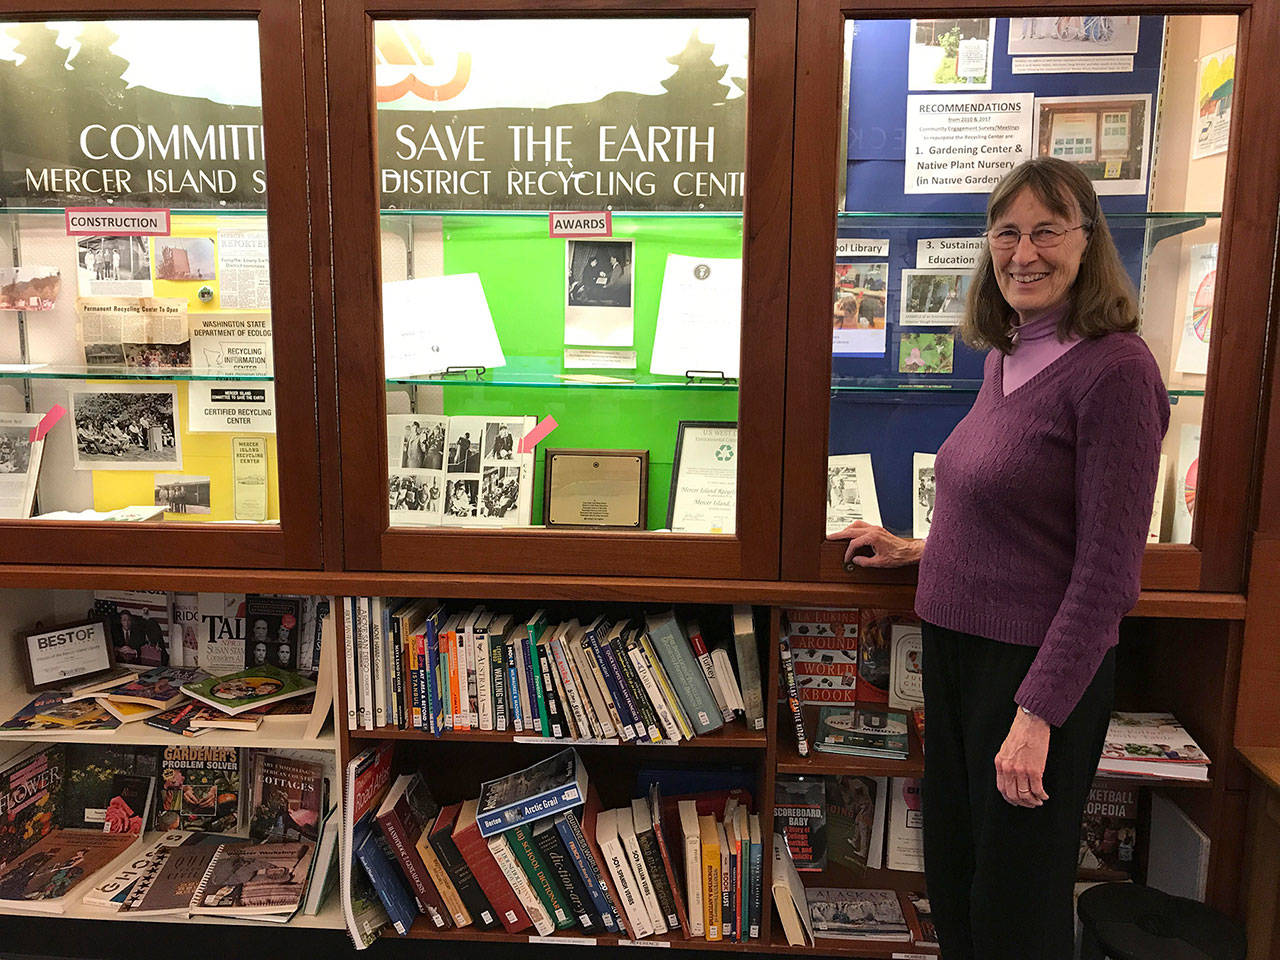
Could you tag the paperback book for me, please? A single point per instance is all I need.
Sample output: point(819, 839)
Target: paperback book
point(156, 688)
point(856, 809)
point(864, 731)
point(245, 690)
point(287, 799)
point(109, 788)
point(200, 788)
point(846, 914)
point(1151, 745)
point(44, 877)
point(550, 786)
point(248, 879)
point(800, 809)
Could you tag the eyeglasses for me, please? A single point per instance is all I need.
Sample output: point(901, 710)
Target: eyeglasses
point(1007, 238)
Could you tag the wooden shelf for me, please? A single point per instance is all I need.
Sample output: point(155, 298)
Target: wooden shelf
point(731, 736)
point(818, 763)
point(848, 948)
point(275, 733)
point(329, 918)
point(422, 930)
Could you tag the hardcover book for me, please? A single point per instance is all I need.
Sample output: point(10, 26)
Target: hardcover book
point(138, 623)
point(747, 649)
point(31, 791)
point(239, 692)
point(541, 878)
point(487, 871)
point(550, 786)
point(686, 676)
point(691, 834)
point(274, 631)
point(874, 626)
point(639, 924)
point(573, 828)
point(923, 931)
point(503, 854)
point(865, 731)
point(856, 914)
point(642, 825)
point(403, 817)
point(378, 861)
point(556, 856)
point(287, 798)
point(855, 821)
point(824, 648)
point(247, 879)
point(368, 775)
point(199, 789)
point(440, 836)
point(800, 810)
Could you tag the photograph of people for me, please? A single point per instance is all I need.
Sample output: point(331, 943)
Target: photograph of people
point(599, 273)
point(1056, 460)
point(464, 454)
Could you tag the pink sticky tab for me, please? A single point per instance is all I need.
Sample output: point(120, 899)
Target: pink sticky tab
point(536, 435)
point(56, 413)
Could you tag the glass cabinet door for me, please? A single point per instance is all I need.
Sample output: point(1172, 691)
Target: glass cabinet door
point(566, 356)
point(927, 117)
point(147, 188)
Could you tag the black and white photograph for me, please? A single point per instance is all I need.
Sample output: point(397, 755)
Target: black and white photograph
point(180, 493)
point(500, 492)
point(184, 258)
point(108, 266)
point(598, 303)
point(15, 449)
point(851, 491)
point(415, 497)
point(1077, 35)
point(416, 441)
point(499, 441)
point(933, 296)
point(923, 494)
point(464, 452)
point(460, 498)
point(19, 464)
point(126, 427)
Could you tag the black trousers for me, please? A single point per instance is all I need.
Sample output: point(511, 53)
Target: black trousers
point(1000, 877)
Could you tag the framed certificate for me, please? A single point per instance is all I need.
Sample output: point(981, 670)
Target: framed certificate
point(704, 478)
point(56, 656)
point(596, 489)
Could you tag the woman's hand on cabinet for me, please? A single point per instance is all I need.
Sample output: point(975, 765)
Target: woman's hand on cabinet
point(873, 546)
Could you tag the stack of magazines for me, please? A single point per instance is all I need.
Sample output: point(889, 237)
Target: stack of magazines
point(1151, 745)
point(862, 731)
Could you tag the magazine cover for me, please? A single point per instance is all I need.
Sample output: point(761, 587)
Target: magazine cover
point(31, 787)
point(873, 655)
point(1150, 736)
point(220, 639)
point(856, 914)
point(43, 877)
point(109, 788)
point(255, 687)
point(274, 631)
point(855, 821)
point(287, 798)
point(200, 788)
point(800, 810)
point(255, 878)
point(138, 622)
point(1109, 832)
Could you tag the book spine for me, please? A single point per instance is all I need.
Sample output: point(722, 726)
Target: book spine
point(455, 665)
point(541, 723)
point(589, 683)
point(665, 717)
point(414, 870)
point(464, 881)
point(431, 644)
point(484, 676)
point(466, 677)
point(624, 883)
point(747, 648)
point(640, 873)
point(554, 726)
point(349, 651)
point(728, 891)
point(757, 886)
point(565, 677)
point(672, 873)
point(646, 712)
point(365, 664)
point(604, 685)
point(584, 863)
point(379, 662)
point(627, 712)
point(572, 653)
point(443, 883)
point(500, 848)
point(556, 858)
point(686, 678)
point(542, 880)
point(395, 673)
point(708, 669)
point(396, 899)
point(712, 894)
point(519, 698)
point(441, 681)
point(658, 879)
point(409, 682)
point(419, 641)
point(793, 695)
point(491, 878)
point(667, 688)
point(567, 715)
point(693, 884)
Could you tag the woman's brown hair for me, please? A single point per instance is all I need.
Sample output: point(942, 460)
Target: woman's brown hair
point(1102, 297)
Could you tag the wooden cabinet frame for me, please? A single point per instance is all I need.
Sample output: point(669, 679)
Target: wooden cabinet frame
point(1215, 559)
point(286, 113)
point(370, 543)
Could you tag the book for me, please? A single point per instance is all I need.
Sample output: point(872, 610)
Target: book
point(53, 715)
point(440, 835)
point(556, 857)
point(1109, 832)
point(651, 856)
point(440, 878)
point(555, 725)
point(138, 624)
point(574, 696)
point(723, 662)
point(862, 730)
point(220, 647)
point(45, 876)
point(824, 649)
point(639, 924)
point(625, 820)
point(792, 694)
point(288, 797)
point(873, 655)
point(504, 855)
point(349, 652)
point(714, 680)
point(672, 869)
point(128, 712)
point(1151, 745)
point(368, 776)
point(747, 649)
point(712, 885)
point(364, 662)
point(115, 883)
point(274, 627)
point(238, 692)
point(577, 832)
point(199, 789)
point(117, 676)
point(846, 914)
point(108, 788)
point(542, 880)
point(727, 878)
point(31, 792)
point(324, 869)
point(156, 688)
point(167, 887)
point(923, 932)
point(906, 689)
point(248, 879)
point(855, 821)
point(690, 831)
point(904, 833)
point(549, 786)
point(789, 896)
point(534, 627)
point(402, 817)
point(800, 808)
point(378, 658)
point(756, 892)
point(377, 860)
point(686, 677)
point(488, 871)
point(658, 704)
point(177, 720)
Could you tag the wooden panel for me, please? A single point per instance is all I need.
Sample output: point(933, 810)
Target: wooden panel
point(1258, 711)
point(362, 401)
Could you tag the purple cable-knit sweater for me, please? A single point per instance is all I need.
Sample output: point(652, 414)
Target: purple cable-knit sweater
point(1043, 505)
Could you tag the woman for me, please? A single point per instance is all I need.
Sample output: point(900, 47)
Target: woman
point(1043, 501)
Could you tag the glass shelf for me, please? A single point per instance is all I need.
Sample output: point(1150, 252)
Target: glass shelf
point(73, 371)
point(175, 211)
point(550, 372)
point(927, 216)
point(543, 214)
point(854, 385)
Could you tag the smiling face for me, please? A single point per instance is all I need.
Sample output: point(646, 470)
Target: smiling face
point(1037, 279)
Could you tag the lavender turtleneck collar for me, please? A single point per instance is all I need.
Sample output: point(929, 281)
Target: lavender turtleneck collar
point(1035, 346)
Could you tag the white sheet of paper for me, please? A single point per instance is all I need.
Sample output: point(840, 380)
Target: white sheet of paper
point(1193, 350)
point(221, 406)
point(922, 494)
point(1157, 508)
point(699, 316)
point(851, 491)
point(965, 142)
point(580, 359)
point(433, 323)
point(19, 464)
point(231, 343)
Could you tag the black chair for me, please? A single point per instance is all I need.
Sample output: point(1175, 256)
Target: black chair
point(1125, 921)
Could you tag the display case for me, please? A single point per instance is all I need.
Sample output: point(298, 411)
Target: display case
point(563, 356)
point(154, 290)
point(909, 124)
